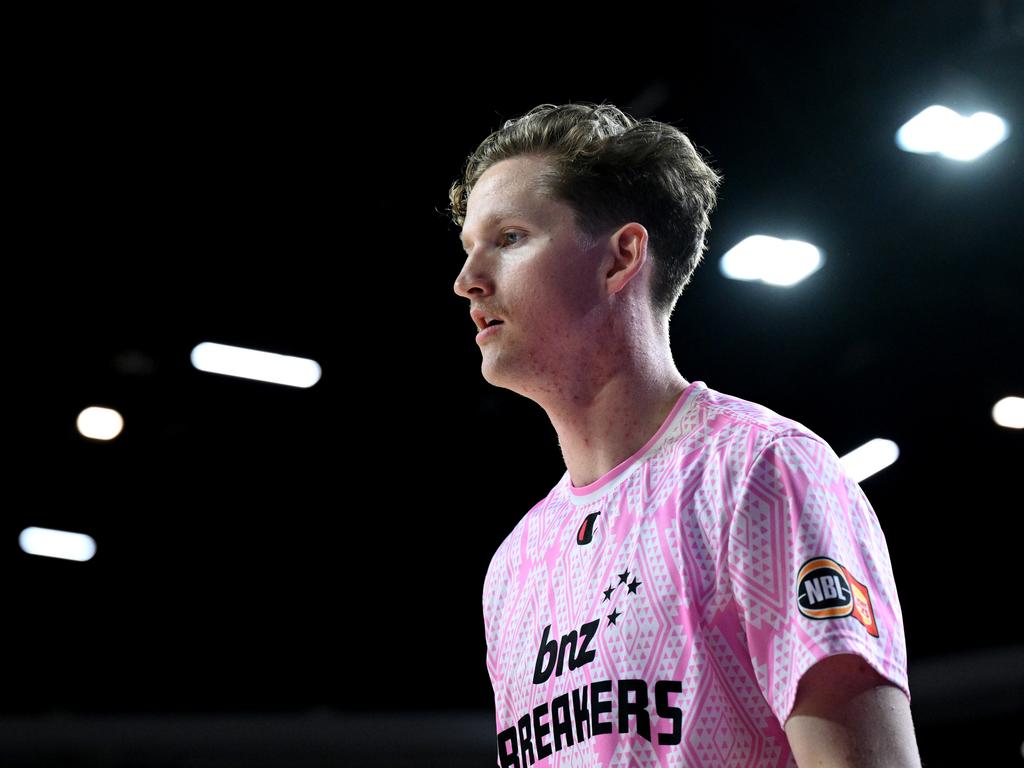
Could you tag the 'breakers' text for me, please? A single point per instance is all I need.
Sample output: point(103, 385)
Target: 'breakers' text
point(580, 719)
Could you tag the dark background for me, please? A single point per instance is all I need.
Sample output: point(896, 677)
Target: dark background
point(295, 576)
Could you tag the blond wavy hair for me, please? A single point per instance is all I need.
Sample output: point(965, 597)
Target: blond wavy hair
point(611, 168)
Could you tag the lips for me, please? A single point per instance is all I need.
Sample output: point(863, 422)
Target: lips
point(489, 331)
point(483, 318)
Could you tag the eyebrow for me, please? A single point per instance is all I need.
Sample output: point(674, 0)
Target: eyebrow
point(496, 216)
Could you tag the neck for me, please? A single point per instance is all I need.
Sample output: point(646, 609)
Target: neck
point(601, 425)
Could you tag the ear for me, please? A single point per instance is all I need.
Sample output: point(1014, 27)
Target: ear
point(628, 254)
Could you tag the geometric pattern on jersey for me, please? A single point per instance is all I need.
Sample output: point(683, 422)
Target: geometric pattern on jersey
point(678, 634)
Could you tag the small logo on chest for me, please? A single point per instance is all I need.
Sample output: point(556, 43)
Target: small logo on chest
point(586, 531)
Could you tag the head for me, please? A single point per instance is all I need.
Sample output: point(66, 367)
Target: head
point(610, 169)
point(607, 225)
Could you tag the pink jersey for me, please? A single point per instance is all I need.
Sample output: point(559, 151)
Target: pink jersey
point(664, 614)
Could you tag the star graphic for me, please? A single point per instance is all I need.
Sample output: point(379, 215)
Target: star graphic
point(633, 585)
point(613, 616)
point(623, 576)
point(608, 593)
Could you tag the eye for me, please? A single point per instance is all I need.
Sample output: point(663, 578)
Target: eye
point(506, 234)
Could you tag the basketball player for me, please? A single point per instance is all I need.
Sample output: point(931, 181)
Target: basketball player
point(705, 585)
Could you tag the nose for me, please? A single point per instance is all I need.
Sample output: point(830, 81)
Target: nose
point(473, 280)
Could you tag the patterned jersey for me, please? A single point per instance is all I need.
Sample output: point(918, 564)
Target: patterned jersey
point(664, 614)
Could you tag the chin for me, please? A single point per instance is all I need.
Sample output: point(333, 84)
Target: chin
point(489, 376)
point(494, 377)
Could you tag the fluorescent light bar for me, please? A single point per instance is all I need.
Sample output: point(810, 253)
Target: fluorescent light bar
point(771, 260)
point(1009, 412)
point(940, 130)
point(47, 542)
point(870, 458)
point(254, 364)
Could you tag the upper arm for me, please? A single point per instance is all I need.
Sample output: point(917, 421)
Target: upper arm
point(847, 715)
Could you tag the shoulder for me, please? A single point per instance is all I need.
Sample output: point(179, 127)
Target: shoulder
point(747, 429)
point(718, 407)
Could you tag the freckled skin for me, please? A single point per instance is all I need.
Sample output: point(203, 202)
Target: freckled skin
point(579, 337)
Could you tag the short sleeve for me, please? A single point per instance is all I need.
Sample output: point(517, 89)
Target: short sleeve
point(810, 571)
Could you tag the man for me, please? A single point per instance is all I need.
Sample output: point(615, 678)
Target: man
point(705, 585)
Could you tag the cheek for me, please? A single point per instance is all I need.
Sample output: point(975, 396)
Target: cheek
point(555, 298)
point(579, 299)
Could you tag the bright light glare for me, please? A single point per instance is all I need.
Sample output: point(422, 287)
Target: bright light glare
point(1009, 412)
point(254, 364)
point(771, 260)
point(47, 542)
point(870, 458)
point(99, 423)
point(940, 130)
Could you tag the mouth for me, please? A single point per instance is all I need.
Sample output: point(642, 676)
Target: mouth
point(489, 331)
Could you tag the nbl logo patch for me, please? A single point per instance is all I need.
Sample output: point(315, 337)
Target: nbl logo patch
point(827, 590)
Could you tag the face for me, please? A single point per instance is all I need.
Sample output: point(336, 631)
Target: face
point(525, 263)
